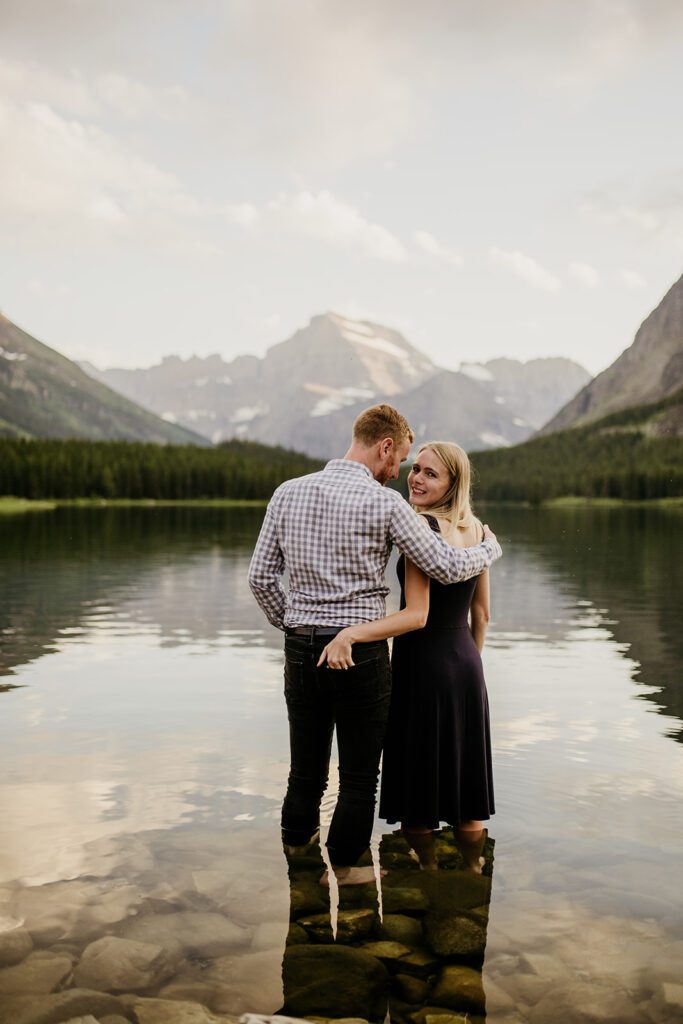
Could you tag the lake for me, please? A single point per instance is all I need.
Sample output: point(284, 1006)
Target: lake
point(144, 754)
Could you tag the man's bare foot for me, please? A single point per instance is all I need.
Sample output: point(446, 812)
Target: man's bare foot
point(299, 851)
point(352, 875)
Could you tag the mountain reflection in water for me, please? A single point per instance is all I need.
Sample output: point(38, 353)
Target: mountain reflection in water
point(143, 759)
point(181, 573)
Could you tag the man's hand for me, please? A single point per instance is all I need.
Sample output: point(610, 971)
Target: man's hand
point(337, 654)
point(488, 533)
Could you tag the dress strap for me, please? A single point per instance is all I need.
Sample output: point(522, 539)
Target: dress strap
point(434, 523)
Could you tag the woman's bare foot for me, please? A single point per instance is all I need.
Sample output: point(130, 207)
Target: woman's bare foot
point(351, 875)
point(470, 837)
point(421, 843)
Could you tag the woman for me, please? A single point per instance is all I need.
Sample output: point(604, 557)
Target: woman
point(437, 753)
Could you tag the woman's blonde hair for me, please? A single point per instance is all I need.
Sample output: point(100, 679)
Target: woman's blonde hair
point(455, 504)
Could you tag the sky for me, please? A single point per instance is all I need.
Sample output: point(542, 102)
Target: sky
point(193, 176)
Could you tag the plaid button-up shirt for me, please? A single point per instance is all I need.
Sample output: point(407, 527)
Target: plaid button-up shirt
point(333, 532)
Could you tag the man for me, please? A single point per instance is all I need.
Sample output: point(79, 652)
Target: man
point(333, 532)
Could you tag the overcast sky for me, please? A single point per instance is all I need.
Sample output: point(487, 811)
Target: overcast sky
point(193, 176)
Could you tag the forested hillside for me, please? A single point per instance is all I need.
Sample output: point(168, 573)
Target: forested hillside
point(44, 394)
point(634, 454)
point(118, 469)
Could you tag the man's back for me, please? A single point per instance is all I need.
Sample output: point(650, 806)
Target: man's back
point(333, 531)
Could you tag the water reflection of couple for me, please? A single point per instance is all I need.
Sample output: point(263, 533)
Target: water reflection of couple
point(333, 531)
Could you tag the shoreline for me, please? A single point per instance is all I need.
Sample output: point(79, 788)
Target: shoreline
point(11, 505)
point(574, 501)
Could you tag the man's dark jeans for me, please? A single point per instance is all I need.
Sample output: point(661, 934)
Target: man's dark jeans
point(356, 700)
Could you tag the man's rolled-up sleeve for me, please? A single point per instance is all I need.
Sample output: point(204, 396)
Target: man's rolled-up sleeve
point(429, 552)
point(267, 566)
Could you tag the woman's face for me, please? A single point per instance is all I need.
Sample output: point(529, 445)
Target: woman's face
point(428, 480)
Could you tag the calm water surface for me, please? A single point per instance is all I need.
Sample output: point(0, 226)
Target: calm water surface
point(143, 758)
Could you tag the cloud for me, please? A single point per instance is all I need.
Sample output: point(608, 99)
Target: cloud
point(325, 218)
point(244, 214)
point(75, 94)
point(525, 267)
point(585, 274)
point(63, 174)
point(429, 244)
point(134, 101)
point(610, 210)
point(632, 279)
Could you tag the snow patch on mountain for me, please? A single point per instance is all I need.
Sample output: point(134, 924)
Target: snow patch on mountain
point(13, 357)
point(246, 413)
point(336, 398)
point(494, 440)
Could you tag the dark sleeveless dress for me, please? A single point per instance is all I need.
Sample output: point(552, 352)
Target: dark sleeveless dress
point(437, 753)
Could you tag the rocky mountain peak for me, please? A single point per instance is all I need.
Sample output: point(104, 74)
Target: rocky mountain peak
point(650, 369)
point(306, 391)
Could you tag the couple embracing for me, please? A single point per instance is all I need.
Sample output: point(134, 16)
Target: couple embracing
point(332, 532)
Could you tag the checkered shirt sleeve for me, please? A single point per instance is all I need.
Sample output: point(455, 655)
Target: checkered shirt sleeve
point(445, 563)
point(268, 565)
point(333, 532)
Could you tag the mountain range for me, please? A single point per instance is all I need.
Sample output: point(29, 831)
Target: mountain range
point(44, 394)
point(650, 369)
point(306, 391)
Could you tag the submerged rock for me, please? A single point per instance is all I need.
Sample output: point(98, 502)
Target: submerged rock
point(112, 964)
point(74, 910)
point(15, 946)
point(402, 900)
point(85, 1020)
point(188, 932)
point(588, 1003)
point(307, 899)
point(296, 936)
point(249, 982)
point(411, 990)
point(318, 928)
point(420, 964)
point(44, 974)
point(164, 1011)
point(439, 1015)
point(459, 988)
point(270, 935)
point(333, 981)
point(401, 928)
point(352, 925)
point(456, 935)
point(390, 953)
point(60, 1007)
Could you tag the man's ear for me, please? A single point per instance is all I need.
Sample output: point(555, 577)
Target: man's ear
point(386, 446)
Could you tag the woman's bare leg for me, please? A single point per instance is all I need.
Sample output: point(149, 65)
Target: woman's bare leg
point(421, 840)
point(470, 837)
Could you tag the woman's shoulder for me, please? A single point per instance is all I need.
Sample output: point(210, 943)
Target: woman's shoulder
point(434, 522)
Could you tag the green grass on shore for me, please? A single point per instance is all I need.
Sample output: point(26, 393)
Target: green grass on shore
point(9, 504)
point(12, 505)
point(576, 501)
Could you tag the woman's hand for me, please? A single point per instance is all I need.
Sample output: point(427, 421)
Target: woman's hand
point(337, 654)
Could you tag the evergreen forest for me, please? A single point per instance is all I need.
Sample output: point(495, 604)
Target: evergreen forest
point(62, 470)
point(635, 454)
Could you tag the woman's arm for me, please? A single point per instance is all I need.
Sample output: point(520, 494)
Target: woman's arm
point(480, 610)
point(413, 616)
